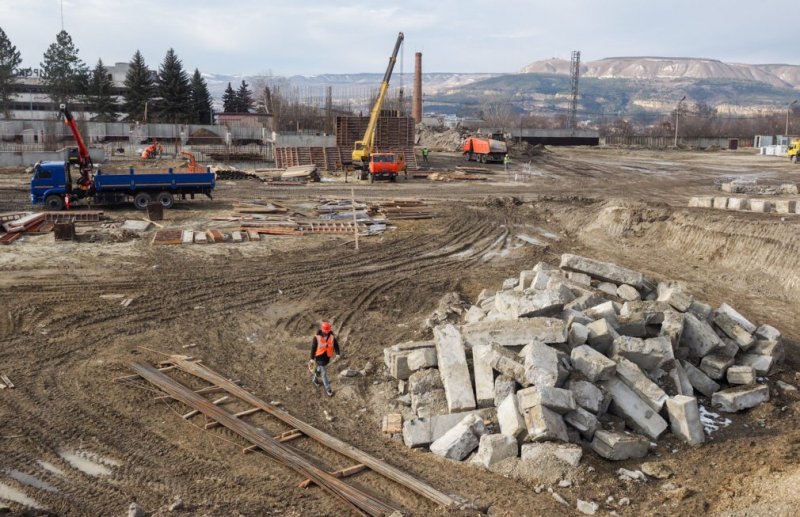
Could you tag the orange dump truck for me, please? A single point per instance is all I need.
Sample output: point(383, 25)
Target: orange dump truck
point(484, 150)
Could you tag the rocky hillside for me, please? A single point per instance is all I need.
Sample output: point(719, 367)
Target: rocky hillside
point(661, 68)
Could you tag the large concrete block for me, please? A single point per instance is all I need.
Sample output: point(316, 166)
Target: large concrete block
point(542, 365)
point(429, 403)
point(503, 387)
point(508, 364)
point(530, 304)
point(557, 399)
point(515, 333)
point(545, 425)
point(675, 297)
point(768, 342)
point(605, 310)
point(651, 311)
point(592, 364)
point(761, 205)
point(424, 381)
point(738, 203)
point(684, 418)
point(672, 327)
point(510, 419)
point(396, 357)
point(628, 292)
point(483, 375)
point(543, 452)
point(720, 202)
point(785, 206)
point(637, 413)
point(601, 335)
point(589, 396)
point(608, 288)
point(716, 365)
point(616, 446)
point(635, 379)
point(580, 278)
point(417, 432)
point(740, 397)
point(583, 421)
point(602, 270)
point(494, 448)
point(484, 295)
point(699, 337)
point(699, 380)
point(475, 314)
point(453, 368)
point(525, 279)
point(422, 358)
point(421, 432)
point(540, 280)
point(733, 330)
point(741, 375)
point(461, 440)
point(738, 318)
point(587, 301)
point(680, 380)
point(701, 202)
point(647, 353)
point(578, 334)
point(763, 364)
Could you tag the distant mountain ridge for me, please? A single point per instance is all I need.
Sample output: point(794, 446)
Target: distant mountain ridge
point(666, 68)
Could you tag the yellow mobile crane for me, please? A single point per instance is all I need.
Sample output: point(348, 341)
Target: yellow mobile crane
point(378, 164)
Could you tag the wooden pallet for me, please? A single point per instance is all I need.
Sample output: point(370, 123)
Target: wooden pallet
point(170, 236)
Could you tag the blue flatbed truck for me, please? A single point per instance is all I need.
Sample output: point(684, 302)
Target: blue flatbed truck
point(52, 182)
point(52, 185)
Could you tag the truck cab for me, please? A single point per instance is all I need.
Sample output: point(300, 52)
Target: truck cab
point(794, 151)
point(50, 182)
point(385, 166)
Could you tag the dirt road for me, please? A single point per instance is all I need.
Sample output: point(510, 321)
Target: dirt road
point(93, 445)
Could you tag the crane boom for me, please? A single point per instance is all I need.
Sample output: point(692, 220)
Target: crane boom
point(364, 147)
point(84, 160)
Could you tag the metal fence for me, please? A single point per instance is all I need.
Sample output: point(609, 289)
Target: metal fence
point(665, 142)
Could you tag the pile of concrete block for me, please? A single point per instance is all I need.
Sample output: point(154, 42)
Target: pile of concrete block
point(584, 352)
point(780, 206)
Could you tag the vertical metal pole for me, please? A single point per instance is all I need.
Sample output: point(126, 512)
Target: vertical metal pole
point(677, 119)
point(355, 221)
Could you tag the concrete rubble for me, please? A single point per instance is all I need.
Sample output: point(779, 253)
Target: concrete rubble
point(588, 354)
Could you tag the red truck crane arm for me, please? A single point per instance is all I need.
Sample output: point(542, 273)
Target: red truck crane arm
point(84, 160)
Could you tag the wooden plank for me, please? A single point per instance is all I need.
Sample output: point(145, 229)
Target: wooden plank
point(168, 237)
point(334, 443)
point(356, 499)
point(221, 400)
point(342, 473)
point(392, 423)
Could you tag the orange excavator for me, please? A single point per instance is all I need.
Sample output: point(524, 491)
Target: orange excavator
point(192, 167)
point(152, 150)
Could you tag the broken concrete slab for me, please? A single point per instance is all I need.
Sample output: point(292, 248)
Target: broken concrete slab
point(526, 277)
point(508, 364)
point(733, 330)
point(453, 368)
point(587, 301)
point(617, 446)
point(672, 327)
point(628, 292)
point(580, 278)
point(592, 364)
point(421, 432)
point(425, 380)
point(503, 387)
point(720, 202)
point(701, 202)
point(429, 403)
point(607, 288)
point(583, 421)
point(483, 375)
point(651, 311)
point(675, 297)
point(557, 399)
point(494, 448)
point(605, 311)
point(716, 364)
point(509, 283)
point(515, 333)
point(761, 205)
point(528, 304)
point(699, 380)
point(738, 203)
point(461, 440)
point(578, 334)
point(741, 375)
point(738, 318)
point(684, 418)
point(637, 413)
point(542, 365)
point(680, 381)
point(740, 397)
point(601, 335)
point(602, 270)
point(763, 364)
point(699, 337)
point(545, 425)
point(635, 379)
point(589, 396)
point(785, 206)
point(422, 358)
point(475, 314)
point(510, 419)
point(136, 225)
point(647, 353)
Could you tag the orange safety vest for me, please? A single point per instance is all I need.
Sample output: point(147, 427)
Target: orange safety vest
point(324, 346)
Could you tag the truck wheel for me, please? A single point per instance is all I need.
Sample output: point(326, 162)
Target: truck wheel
point(54, 202)
point(794, 159)
point(166, 199)
point(141, 200)
point(483, 158)
point(372, 178)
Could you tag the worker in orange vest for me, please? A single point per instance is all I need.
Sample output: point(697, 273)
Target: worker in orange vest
point(323, 348)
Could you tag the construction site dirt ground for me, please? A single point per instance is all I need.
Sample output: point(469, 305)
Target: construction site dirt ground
point(249, 311)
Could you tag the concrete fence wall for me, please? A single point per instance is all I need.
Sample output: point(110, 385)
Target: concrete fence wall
point(664, 142)
point(28, 158)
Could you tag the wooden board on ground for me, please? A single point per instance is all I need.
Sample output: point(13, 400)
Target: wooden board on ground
point(392, 423)
point(168, 237)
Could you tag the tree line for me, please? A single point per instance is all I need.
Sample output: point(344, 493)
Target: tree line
point(170, 95)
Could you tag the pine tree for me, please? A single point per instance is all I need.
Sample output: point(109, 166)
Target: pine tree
point(101, 98)
point(201, 100)
point(244, 99)
point(9, 60)
point(229, 101)
point(139, 88)
point(65, 76)
point(174, 90)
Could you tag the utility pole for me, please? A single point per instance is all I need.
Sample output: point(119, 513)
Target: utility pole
point(788, 109)
point(575, 74)
point(677, 118)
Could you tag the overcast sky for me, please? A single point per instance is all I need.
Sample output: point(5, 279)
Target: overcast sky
point(317, 36)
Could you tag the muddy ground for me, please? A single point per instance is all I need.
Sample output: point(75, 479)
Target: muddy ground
point(75, 442)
